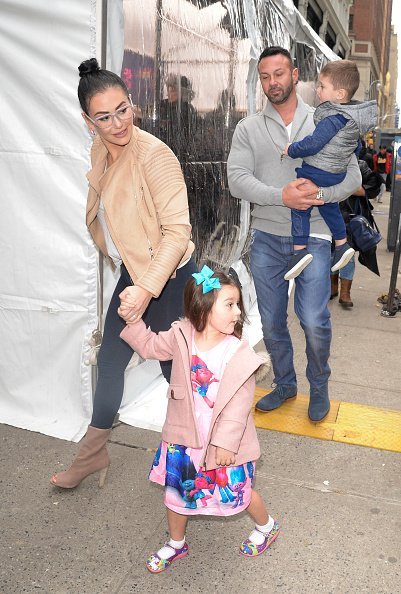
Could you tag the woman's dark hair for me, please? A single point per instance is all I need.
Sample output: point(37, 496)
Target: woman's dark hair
point(198, 305)
point(93, 80)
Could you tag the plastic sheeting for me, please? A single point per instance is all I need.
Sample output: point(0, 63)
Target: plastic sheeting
point(208, 51)
point(191, 67)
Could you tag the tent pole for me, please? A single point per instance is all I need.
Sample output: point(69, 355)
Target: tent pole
point(102, 53)
point(103, 39)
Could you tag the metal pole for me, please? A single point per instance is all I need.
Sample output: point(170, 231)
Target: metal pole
point(155, 119)
point(393, 304)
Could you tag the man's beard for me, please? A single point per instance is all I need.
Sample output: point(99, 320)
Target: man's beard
point(283, 96)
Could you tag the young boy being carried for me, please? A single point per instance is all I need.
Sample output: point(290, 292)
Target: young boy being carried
point(326, 153)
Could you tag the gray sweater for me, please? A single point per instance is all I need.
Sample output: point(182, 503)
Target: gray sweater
point(257, 174)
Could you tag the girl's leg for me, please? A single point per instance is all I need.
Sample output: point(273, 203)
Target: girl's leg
point(175, 548)
point(257, 509)
point(177, 524)
point(266, 529)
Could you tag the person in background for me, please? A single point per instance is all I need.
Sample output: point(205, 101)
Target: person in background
point(390, 150)
point(366, 155)
point(371, 185)
point(178, 118)
point(382, 165)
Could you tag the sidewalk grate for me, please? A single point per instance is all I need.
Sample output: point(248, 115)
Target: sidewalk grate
point(346, 422)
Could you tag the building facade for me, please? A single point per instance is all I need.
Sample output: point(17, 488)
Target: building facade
point(329, 18)
point(361, 30)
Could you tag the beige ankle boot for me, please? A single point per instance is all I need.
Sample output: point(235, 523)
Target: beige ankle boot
point(92, 457)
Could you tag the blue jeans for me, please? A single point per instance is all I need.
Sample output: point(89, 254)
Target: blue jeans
point(347, 272)
point(330, 213)
point(270, 257)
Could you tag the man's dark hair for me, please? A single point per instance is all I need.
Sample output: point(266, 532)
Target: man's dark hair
point(275, 50)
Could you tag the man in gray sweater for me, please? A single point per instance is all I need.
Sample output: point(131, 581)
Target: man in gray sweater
point(258, 174)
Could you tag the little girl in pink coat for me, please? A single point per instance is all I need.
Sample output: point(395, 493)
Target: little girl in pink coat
point(206, 459)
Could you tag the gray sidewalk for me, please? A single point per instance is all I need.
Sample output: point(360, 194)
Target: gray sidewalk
point(339, 505)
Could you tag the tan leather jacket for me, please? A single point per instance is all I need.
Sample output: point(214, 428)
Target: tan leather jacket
point(146, 209)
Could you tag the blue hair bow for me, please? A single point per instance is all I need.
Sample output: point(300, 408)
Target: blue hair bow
point(205, 277)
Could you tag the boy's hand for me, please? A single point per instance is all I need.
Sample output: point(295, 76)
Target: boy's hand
point(285, 149)
point(224, 457)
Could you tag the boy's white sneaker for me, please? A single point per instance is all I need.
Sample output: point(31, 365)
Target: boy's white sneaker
point(299, 261)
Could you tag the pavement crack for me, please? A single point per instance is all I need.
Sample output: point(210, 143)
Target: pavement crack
point(132, 446)
point(333, 490)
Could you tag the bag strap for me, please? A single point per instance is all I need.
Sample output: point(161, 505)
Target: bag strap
point(356, 209)
point(375, 225)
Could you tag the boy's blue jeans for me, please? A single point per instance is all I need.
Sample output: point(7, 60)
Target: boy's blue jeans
point(330, 213)
point(270, 257)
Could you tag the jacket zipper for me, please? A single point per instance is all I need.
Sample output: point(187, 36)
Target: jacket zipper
point(150, 248)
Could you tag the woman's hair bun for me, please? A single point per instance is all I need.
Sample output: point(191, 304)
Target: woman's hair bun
point(88, 67)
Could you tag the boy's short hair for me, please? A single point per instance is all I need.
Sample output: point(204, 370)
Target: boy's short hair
point(343, 74)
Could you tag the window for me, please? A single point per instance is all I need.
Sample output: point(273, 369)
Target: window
point(314, 19)
point(351, 22)
point(330, 37)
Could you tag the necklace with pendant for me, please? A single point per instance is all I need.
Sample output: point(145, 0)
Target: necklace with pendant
point(280, 150)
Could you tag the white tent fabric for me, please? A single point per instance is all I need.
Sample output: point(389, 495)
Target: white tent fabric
point(48, 281)
point(49, 285)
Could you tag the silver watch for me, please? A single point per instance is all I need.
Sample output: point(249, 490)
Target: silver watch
point(320, 195)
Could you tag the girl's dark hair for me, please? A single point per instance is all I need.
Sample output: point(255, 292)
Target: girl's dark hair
point(93, 80)
point(198, 305)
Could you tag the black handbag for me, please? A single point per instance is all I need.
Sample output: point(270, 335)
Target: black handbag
point(362, 235)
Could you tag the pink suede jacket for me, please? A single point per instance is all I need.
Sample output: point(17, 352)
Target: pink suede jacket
point(232, 426)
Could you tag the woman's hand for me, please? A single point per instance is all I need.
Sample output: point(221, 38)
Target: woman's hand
point(224, 457)
point(134, 301)
point(128, 314)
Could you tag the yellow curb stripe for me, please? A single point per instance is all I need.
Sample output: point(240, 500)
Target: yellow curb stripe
point(346, 422)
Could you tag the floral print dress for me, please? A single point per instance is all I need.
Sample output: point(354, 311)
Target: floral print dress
point(223, 491)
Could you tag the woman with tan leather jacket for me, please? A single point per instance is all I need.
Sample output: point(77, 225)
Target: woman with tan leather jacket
point(137, 214)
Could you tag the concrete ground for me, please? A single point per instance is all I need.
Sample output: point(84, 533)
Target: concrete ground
point(339, 505)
